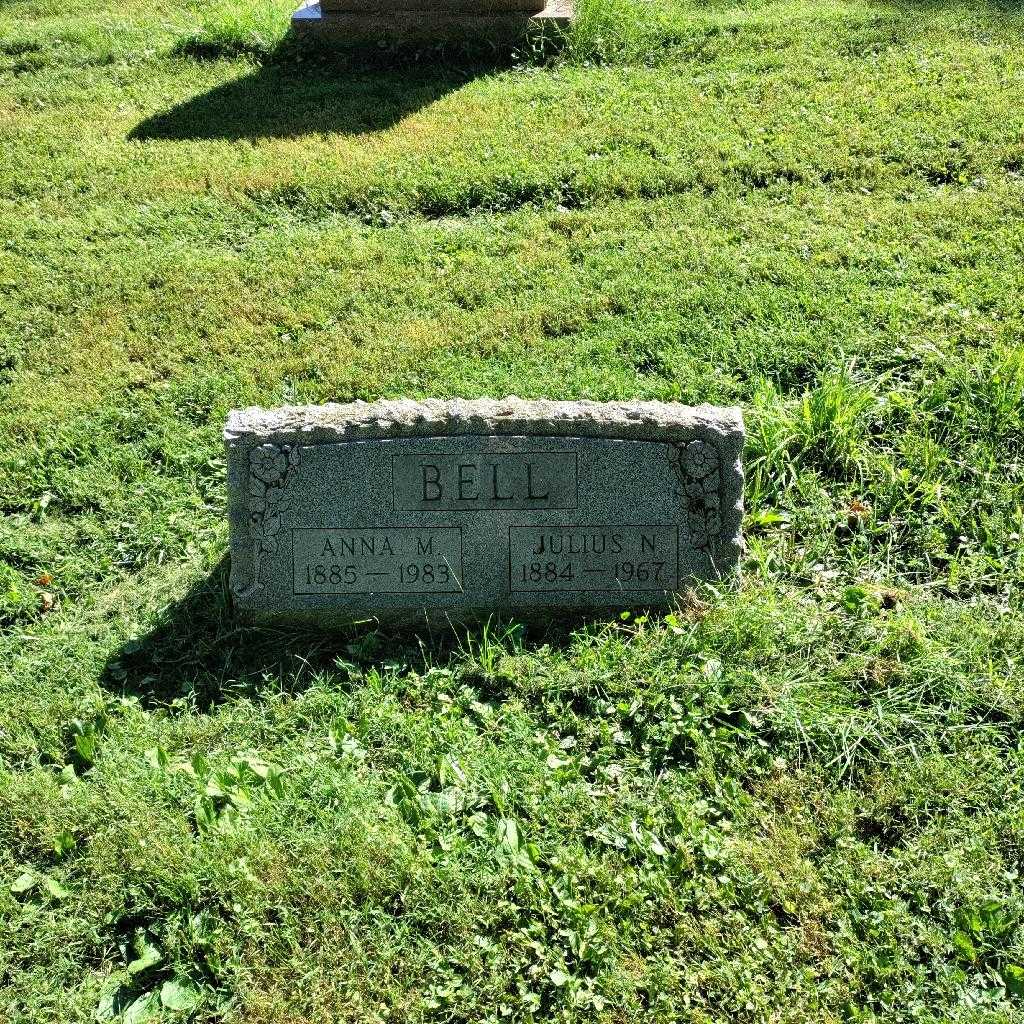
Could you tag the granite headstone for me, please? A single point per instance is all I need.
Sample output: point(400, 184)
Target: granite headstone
point(400, 509)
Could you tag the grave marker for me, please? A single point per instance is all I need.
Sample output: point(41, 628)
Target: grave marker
point(457, 509)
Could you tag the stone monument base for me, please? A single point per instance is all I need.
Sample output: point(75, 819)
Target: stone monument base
point(426, 25)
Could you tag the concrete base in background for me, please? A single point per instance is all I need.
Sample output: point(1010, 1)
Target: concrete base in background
point(425, 25)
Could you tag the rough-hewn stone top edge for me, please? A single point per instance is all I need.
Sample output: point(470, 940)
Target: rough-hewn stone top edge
point(507, 416)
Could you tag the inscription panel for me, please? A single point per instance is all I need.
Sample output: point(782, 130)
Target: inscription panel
point(445, 482)
point(566, 559)
point(394, 560)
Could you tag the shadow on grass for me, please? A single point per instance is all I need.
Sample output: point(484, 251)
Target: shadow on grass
point(200, 651)
point(301, 89)
point(285, 102)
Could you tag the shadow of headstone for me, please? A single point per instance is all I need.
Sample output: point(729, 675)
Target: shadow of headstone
point(345, 92)
point(201, 651)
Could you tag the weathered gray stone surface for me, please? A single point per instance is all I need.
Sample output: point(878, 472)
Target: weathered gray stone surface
point(428, 20)
point(444, 6)
point(454, 509)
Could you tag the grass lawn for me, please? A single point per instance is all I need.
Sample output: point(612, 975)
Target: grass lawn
point(796, 798)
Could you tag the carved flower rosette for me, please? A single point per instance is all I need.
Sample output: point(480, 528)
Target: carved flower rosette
point(272, 469)
point(698, 466)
